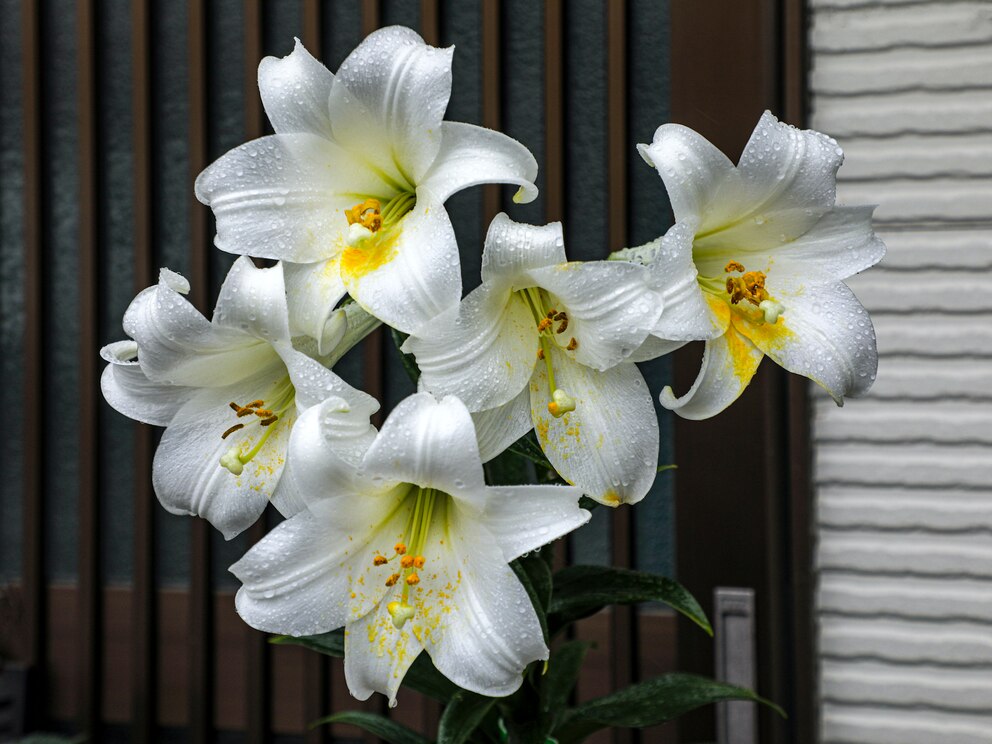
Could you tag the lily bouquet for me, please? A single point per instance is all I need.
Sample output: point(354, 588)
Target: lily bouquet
point(395, 552)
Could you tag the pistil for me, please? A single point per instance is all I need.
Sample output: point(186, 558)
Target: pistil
point(550, 323)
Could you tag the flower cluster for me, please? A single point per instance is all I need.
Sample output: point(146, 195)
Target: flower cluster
point(394, 534)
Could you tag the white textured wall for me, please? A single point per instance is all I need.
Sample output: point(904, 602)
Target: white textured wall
point(904, 476)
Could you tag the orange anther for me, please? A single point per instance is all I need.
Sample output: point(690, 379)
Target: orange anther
point(540, 353)
point(733, 266)
point(406, 561)
point(263, 413)
point(419, 561)
point(379, 560)
point(572, 345)
point(246, 411)
point(544, 325)
point(392, 579)
point(256, 404)
point(400, 548)
point(412, 579)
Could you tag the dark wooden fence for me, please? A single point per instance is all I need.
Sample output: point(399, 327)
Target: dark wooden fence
point(123, 614)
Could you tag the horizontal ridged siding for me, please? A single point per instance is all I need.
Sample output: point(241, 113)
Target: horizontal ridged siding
point(904, 476)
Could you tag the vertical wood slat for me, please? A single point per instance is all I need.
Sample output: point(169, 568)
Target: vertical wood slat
point(90, 625)
point(491, 97)
point(32, 502)
point(624, 625)
point(144, 671)
point(430, 22)
point(256, 643)
point(201, 688)
point(316, 667)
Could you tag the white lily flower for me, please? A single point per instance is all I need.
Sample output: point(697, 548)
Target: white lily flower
point(755, 263)
point(351, 187)
point(408, 549)
point(228, 391)
point(543, 342)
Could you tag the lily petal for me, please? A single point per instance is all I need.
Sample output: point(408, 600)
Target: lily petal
point(178, 346)
point(432, 444)
point(611, 309)
point(187, 475)
point(523, 518)
point(410, 274)
point(607, 446)
point(483, 350)
point(377, 654)
point(699, 178)
point(471, 155)
point(328, 443)
point(824, 334)
point(840, 245)
point(295, 90)
point(314, 383)
point(514, 248)
point(313, 291)
point(485, 632)
point(284, 196)
point(498, 428)
point(253, 301)
point(126, 388)
point(388, 100)
point(729, 363)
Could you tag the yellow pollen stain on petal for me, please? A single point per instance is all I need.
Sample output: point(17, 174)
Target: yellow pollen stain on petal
point(611, 498)
point(369, 255)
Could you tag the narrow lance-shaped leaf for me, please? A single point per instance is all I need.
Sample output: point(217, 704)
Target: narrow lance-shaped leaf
point(387, 730)
point(580, 591)
point(650, 703)
point(462, 716)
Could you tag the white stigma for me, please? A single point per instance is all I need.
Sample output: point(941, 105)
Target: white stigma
point(232, 461)
point(772, 310)
point(358, 234)
point(400, 613)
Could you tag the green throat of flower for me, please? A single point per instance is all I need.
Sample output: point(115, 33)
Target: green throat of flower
point(429, 503)
point(551, 325)
point(257, 413)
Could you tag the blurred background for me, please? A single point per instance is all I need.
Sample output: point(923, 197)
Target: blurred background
point(862, 534)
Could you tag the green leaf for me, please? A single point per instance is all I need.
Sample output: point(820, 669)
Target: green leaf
point(580, 591)
point(563, 672)
point(462, 716)
point(407, 360)
point(422, 675)
point(650, 703)
point(536, 580)
point(387, 730)
point(331, 644)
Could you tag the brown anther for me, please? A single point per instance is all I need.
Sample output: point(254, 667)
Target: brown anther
point(563, 326)
point(572, 344)
point(264, 413)
point(379, 560)
point(544, 325)
point(268, 421)
point(230, 431)
point(419, 561)
point(392, 579)
point(400, 548)
point(551, 314)
point(560, 316)
point(235, 407)
point(412, 579)
point(733, 266)
point(256, 404)
point(540, 353)
point(367, 214)
point(406, 561)
point(246, 411)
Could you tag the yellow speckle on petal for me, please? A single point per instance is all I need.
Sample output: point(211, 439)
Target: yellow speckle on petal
point(611, 498)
